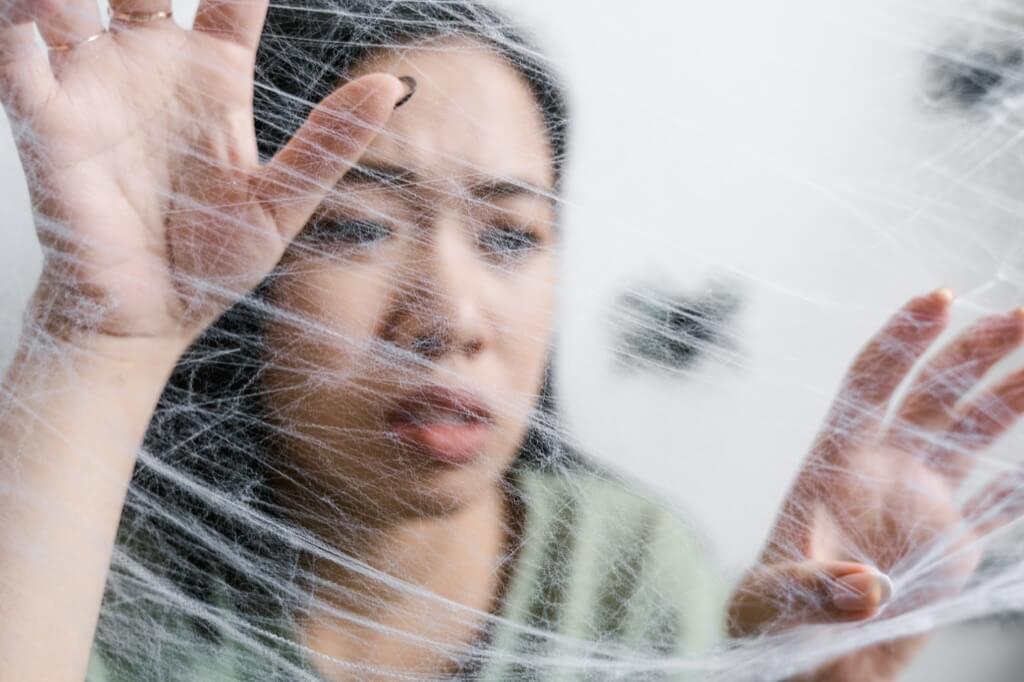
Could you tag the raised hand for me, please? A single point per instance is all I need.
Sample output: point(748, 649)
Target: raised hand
point(138, 143)
point(155, 214)
point(876, 496)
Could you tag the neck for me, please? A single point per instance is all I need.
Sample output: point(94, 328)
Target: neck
point(425, 551)
point(429, 579)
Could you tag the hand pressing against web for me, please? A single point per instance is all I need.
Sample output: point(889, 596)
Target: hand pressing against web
point(138, 142)
point(876, 495)
point(155, 214)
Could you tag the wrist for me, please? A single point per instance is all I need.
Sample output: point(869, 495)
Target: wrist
point(127, 369)
point(90, 357)
point(96, 391)
point(75, 331)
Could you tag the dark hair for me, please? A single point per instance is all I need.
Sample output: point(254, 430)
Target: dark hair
point(204, 463)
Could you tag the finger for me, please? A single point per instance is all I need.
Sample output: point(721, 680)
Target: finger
point(999, 504)
point(65, 24)
point(944, 380)
point(807, 593)
point(882, 366)
point(981, 422)
point(240, 21)
point(25, 77)
point(332, 139)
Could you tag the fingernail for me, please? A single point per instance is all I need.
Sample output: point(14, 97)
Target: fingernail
point(862, 592)
point(944, 295)
point(410, 89)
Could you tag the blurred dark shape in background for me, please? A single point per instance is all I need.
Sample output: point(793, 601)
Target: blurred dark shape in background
point(659, 329)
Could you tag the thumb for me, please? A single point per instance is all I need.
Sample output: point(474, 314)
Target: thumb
point(781, 596)
point(327, 145)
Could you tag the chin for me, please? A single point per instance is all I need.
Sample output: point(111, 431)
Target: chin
point(381, 480)
point(445, 491)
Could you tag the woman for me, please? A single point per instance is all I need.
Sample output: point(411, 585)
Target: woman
point(348, 474)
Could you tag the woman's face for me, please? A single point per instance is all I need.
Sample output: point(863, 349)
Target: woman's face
point(417, 305)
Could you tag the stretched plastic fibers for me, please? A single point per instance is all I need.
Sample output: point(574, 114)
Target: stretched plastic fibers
point(456, 340)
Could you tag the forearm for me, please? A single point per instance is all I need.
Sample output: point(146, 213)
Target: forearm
point(71, 421)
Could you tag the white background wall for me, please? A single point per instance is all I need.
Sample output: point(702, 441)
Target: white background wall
point(785, 148)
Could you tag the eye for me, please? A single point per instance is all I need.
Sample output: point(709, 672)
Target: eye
point(346, 231)
point(507, 242)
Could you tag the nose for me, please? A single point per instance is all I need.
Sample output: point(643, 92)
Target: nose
point(437, 309)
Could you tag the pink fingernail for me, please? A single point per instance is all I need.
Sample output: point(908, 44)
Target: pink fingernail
point(945, 295)
point(862, 591)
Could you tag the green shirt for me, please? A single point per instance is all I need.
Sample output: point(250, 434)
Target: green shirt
point(611, 571)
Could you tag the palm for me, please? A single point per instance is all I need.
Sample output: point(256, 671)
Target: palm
point(144, 170)
point(128, 122)
point(897, 515)
point(887, 510)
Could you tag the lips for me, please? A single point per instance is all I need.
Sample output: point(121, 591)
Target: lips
point(443, 424)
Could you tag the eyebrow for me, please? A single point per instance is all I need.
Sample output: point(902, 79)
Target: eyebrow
point(498, 188)
point(380, 174)
point(396, 177)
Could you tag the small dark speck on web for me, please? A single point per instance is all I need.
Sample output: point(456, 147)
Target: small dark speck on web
point(657, 329)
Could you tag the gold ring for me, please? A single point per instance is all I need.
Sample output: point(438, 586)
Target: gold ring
point(67, 47)
point(139, 17)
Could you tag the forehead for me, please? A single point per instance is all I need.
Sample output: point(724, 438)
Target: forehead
point(472, 115)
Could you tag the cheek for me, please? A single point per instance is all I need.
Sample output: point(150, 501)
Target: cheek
point(327, 314)
point(530, 298)
point(526, 321)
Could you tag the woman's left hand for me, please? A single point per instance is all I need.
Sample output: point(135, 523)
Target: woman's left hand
point(876, 495)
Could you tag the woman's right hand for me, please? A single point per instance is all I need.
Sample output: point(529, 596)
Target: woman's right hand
point(155, 215)
point(139, 148)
